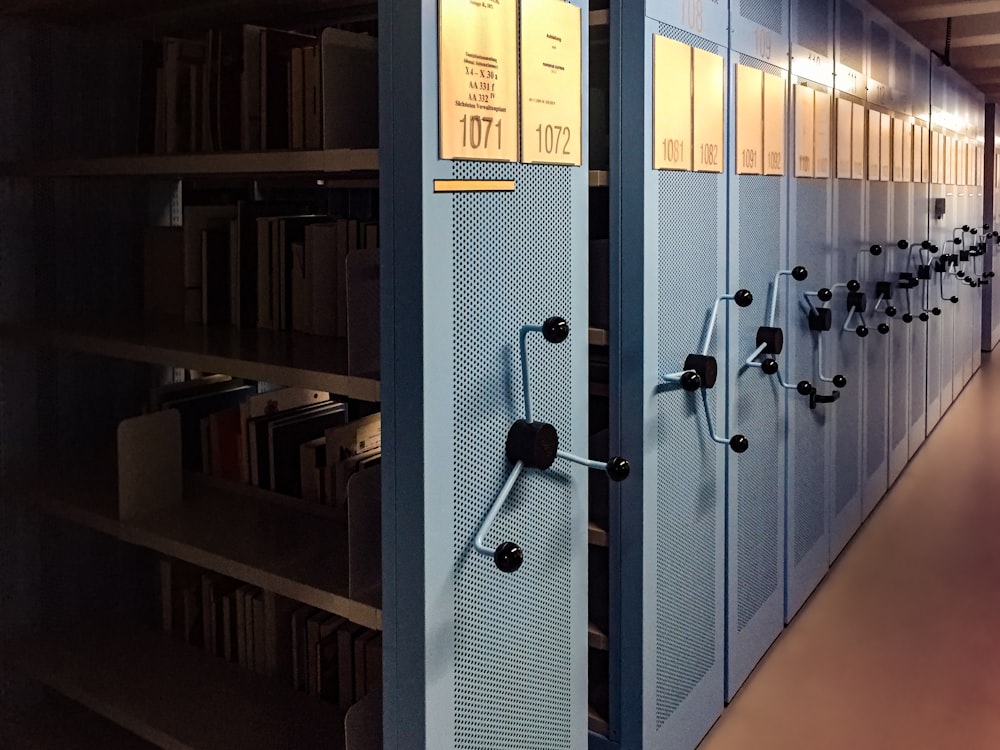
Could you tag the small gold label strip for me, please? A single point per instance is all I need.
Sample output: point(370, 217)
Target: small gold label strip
point(473, 186)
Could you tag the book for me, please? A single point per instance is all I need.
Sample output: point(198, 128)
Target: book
point(163, 272)
point(364, 536)
point(363, 314)
point(299, 638)
point(312, 96)
point(346, 635)
point(215, 274)
point(271, 402)
point(286, 436)
point(296, 96)
point(327, 282)
point(241, 595)
point(361, 663)
point(251, 83)
point(258, 430)
point(345, 445)
point(312, 470)
point(276, 48)
point(258, 634)
point(373, 664)
point(185, 388)
point(319, 626)
point(196, 220)
point(193, 409)
point(349, 63)
point(226, 437)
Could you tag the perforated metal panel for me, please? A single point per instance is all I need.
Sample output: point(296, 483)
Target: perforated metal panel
point(809, 429)
point(845, 355)
point(767, 13)
point(689, 502)
point(851, 38)
point(758, 503)
point(899, 336)
point(511, 660)
point(875, 414)
point(814, 25)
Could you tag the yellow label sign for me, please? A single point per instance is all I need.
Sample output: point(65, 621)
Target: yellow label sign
point(845, 129)
point(709, 117)
point(749, 120)
point(477, 79)
point(885, 149)
point(551, 83)
point(897, 150)
point(805, 130)
point(821, 138)
point(906, 151)
point(874, 144)
point(936, 156)
point(925, 155)
point(774, 124)
point(857, 141)
point(671, 104)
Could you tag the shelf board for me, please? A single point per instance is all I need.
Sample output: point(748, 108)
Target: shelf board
point(292, 359)
point(55, 723)
point(175, 696)
point(596, 536)
point(598, 178)
point(299, 555)
point(319, 163)
point(596, 638)
point(598, 337)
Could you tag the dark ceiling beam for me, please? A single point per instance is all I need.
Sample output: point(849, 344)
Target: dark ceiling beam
point(903, 12)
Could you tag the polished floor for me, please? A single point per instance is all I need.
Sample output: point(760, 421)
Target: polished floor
point(899, 647)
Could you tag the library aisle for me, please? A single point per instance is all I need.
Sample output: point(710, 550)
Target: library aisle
point(897, 649)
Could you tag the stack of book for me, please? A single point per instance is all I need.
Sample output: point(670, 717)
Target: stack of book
point(255, 88)
point(293, 441)
point(316, 652)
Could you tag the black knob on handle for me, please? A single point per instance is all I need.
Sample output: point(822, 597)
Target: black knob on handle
point(936, 311)
point(853, 285)
point(862, 331)
point(883, 328)
point(924, 317)
point(804, 388)
point(926, 244)
point(555, 330)
point(840, 381)
point(954, 300)
point(508, 557)
point(890, 311)
point(690, 381)
point(961, 274)
point(769, 366)
point(875, 250)
point(957, 240)
point(799, 273)
point(824, 294)
point(618, 469)
point(902, 244)
point(907, 318)
point(738, 443)
point(743, 298)
point(973, 231)
point(965, 228)
point(986, 227)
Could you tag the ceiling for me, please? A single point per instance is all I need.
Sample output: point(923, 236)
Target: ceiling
point(975, 34)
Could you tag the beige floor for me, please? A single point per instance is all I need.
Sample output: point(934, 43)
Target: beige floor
point(899, 647)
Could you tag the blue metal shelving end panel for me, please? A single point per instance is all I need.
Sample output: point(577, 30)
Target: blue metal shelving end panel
point(668, 242)
point(477, 657)
point(758, 248)
point(810, 430)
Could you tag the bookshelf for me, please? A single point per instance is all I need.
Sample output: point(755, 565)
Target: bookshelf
point(253, 536)
point(290, 358)
point(172, 696)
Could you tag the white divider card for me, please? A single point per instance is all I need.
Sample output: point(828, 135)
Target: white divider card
point(874, 144)
point(885, 148)
point(477, 79)
point(671, 104)
point(845, 120)
point(749, 120)
point(950, 152)
point(774, 124)
point(821, 139)
point(709, 114)
point(907, 173)
point(805, 131)
point(962, 162)
point(970, 164)
point(980, 166)
point(551, 83)
point(897, 150)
